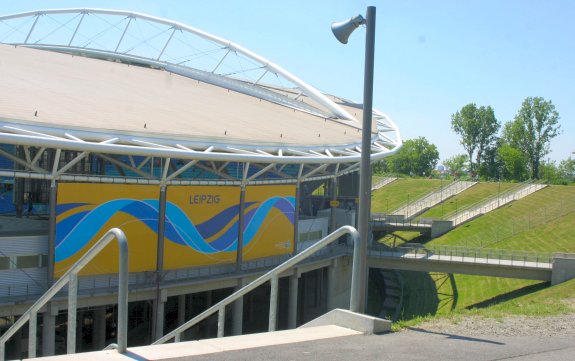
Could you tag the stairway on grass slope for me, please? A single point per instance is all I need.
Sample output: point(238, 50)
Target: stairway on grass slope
point(412, 210)
point(382, 182)
point(517, 193)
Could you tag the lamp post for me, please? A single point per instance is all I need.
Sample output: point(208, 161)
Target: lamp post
point(342, 31)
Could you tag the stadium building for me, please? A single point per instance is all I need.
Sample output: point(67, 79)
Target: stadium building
point(216, 163)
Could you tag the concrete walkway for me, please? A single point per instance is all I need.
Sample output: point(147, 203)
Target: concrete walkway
point(410, 345)
point(414, 344)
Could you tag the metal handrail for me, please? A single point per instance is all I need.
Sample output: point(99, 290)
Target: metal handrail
point(71, 278)
point(273, 276)
point(483, 202)
point(479, 255)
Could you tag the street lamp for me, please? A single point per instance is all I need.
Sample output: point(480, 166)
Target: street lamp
point(342, 31)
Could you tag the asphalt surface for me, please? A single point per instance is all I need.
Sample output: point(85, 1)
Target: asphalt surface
point(411, 344)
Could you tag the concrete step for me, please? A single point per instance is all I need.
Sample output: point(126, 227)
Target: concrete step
point(186, 350)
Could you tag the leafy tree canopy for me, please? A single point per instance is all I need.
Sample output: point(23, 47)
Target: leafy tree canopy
point(416, 157)
point(536, 123)
point(478, 129)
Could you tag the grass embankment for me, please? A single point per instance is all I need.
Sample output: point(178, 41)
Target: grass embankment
point(541, 222)
point(390, 197)
point(478, 193)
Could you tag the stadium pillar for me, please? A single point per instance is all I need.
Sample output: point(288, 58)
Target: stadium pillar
point(331, 285)
point(239, 256)
point(238, 311)
point(292, 308)
point(181, 309)
point(296, 217)
point(99, 329)
point(52, 230)
point(49, 330)
point(333, 221)
point(158, 307)
point(159, 314)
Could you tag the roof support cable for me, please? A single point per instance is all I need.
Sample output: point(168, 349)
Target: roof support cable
point(32, 28)
point(167, 42)
point(77, 27)
point(124, 33)
point(261, 76)
point(62, 25)
point(221, 60)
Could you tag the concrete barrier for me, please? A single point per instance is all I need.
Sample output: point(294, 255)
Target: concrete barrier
point(563, 267)
point(354, 321)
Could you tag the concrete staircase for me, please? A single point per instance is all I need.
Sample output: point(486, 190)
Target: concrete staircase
point(382, 182)
point(494, 203)
point(412, 210)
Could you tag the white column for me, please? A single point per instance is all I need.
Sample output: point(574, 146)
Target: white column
point(49, 330)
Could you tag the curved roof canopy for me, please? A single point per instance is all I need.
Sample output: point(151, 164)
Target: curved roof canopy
point(213, 101)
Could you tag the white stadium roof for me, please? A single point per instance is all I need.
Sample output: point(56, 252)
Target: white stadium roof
point(168, 91)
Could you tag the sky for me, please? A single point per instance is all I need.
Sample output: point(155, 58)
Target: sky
point(431, 57)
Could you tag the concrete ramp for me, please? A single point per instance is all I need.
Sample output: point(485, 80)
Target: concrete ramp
point(187, 350)
point(362, 323)
point(412, 210)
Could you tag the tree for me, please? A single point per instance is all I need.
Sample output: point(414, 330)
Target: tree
point(567, 169)
point(513, 161)
point(456, 165)
point(478, 129)
point(536, 123)
point(416, 157)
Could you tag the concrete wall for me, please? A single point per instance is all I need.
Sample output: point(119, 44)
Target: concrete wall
point(440, 227)
point(339, 283)
point(563, 267)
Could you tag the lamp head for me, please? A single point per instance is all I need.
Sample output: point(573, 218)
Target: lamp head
point(343, 29)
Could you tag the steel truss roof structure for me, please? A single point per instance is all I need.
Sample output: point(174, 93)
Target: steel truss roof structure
point(43, 151)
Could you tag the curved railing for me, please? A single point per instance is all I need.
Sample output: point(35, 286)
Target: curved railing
point(273, 277)
point(70, 278)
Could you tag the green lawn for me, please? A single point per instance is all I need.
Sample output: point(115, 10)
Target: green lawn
point(479, 192)
point(400, 191)
point(540, 222)
point(484, 296)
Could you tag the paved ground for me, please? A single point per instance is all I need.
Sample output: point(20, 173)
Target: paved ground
point(412, 345)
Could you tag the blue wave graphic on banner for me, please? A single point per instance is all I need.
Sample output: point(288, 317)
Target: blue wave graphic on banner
point(76, 230)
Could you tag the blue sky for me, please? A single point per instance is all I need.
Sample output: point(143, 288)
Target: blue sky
point(432, 57)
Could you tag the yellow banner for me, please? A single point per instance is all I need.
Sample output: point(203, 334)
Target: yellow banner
point(269, 221)
point(201, 226)
point(85, 212)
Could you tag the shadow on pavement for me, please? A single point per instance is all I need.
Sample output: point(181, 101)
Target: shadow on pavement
point(457, 337)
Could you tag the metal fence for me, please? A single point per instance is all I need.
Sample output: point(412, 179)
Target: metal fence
point(467, 255)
